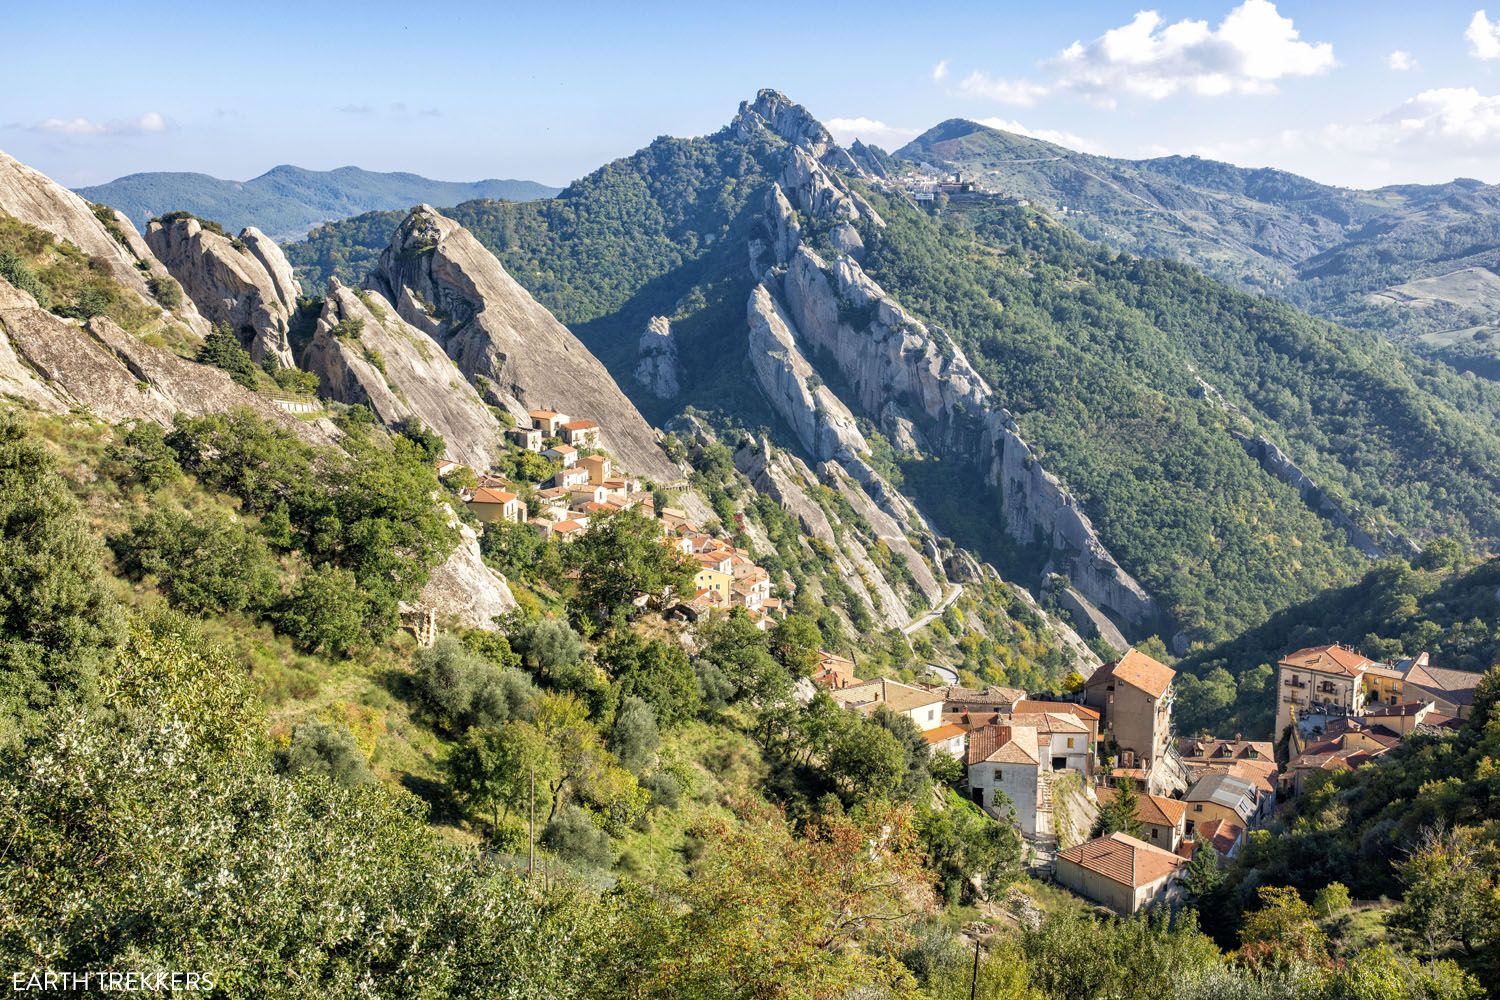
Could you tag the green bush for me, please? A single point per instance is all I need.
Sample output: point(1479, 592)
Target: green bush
point(222, 349)
point(166, 290)
point(461, 688)
point(574, 836)
point(325, 612)
point(318, 747)
point(206, 563)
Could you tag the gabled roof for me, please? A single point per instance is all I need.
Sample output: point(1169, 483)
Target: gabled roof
point(1222, 788)
point(579, 425)
point(561, 449)
point(1220, 833)
point(943, 733)
point(1003, 745)
point(1328, 659)
point(485, 494)
point(1050, 722)
point(1224, 750)
point(1156, 810)
point(1454, 686)
point(1124, 859)
point(542, 414)
point(1026, 707)
point(1139, 671)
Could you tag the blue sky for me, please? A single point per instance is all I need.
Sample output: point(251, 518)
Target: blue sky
point(1350, 93)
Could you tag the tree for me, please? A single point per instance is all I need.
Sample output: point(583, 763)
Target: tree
point(797, 644)
point(492, 769)
point(221, 348)
point(1120, 813)
point(634, 737)
point(205, 563)
point(621, 556)
point(325, 612)
point(974, 856)
point(320, 748)
point(460, 688)
point(655, 671)
point(1331, 900)
point(1202, 876)
point(1451, 894)
point(1283, 929)
point(428, 442)
point(865, 759)
point(57, 616)
point(572, 834)
point(141, 458)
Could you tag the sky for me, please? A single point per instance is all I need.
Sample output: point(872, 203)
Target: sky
point(1356, 94)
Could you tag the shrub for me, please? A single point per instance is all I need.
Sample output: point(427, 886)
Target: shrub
point(14, 270)
point(325, 612)
point(318, 747)
point(573, 835)
point(141, 458)
point(222, 349)
point(461, 688)
point(166, 290)
point(206, 564)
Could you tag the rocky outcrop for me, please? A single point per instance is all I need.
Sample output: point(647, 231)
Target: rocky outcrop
point(656, 366)
point(819, 418)
point(445, 283)
point(116, 376)
point(782, 227)
point(778, 114)
point(249, 286)
point(1088, 620)
point(34, 198)
point(364, 353)
point(465, 591)
point(916, 385)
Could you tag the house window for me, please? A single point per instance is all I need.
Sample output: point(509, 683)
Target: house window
point(1154, 833)
point(1198, 807)
point(1070, 742)
point(931, 714)
point(997, 774)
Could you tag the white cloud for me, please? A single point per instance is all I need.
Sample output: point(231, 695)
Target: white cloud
point(1401, 61)
point(1068, 139)
point(888, 137)
point(151, 121)
point(1460, 119)
point(1252, 48)
point(940, 71)
point(1484, 37)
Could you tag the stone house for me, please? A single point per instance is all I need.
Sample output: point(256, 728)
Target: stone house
point(1120, 872)
point(1134, 698)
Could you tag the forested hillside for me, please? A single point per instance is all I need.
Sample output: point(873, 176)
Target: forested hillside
point(1099, 355)
point(1343, 254)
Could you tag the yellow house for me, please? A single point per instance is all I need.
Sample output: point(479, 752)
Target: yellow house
point(713, 581)
point(491, 505)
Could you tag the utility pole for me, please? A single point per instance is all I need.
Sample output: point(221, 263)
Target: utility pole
point(974, 980)
point(531, 831)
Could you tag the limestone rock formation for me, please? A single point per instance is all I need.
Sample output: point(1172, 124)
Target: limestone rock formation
point(445, 283)
point(793, 123)
point(783, 229)
point(116, 376)
point(820, 419)
point(364, 353)
point(656, 365)
point(34, 198)
point(464, 590)
point(251, 289)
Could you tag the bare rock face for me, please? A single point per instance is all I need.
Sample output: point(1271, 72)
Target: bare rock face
point(445, 283)
point(774, 111)
point(656, 359)
point(251, 289)
point(820, 419)
point(34, 198)
point(364, 353)
point(103, 369)
point(465, 590)
point(783, 229)
point(916, 385)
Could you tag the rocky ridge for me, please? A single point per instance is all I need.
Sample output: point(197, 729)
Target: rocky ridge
point(656, 366)
point(364, 353)
point(919, 389)
point(442, 281)
point(245, 283)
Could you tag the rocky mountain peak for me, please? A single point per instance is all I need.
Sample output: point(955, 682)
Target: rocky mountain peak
point(778, 114)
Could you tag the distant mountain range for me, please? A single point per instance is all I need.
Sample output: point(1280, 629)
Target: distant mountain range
point(1416, 262)
point(285, 202)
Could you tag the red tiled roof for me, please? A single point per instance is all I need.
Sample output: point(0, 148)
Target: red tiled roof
point(1027, 707)
point(1157, 810)
point(943, 733)
point(1124, 859)
point(579, 425)
point(486, 495)
point(1329, 659)
point(1139, 671)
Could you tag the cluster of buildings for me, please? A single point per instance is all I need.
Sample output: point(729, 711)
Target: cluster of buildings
point(586, 485)
point(1050, 765)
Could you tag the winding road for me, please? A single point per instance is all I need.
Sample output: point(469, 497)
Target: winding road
point(918, 623)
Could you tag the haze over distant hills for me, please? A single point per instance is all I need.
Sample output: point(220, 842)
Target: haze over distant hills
point(1413, 261)
point(286, 201)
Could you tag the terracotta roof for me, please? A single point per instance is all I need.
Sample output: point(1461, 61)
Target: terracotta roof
point(943, 733)
point(1220, 833)
point(1330, 659)
point(567, 527)
point(1124, 859)
point(1139, 671)
point(1049, 722)
point(1224, 750)
point(542, 414)
point(1027, 706)
point(486, 495)
point(579, 425)
point(562, 449)
point(1003, 745)
point(1157, 810)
